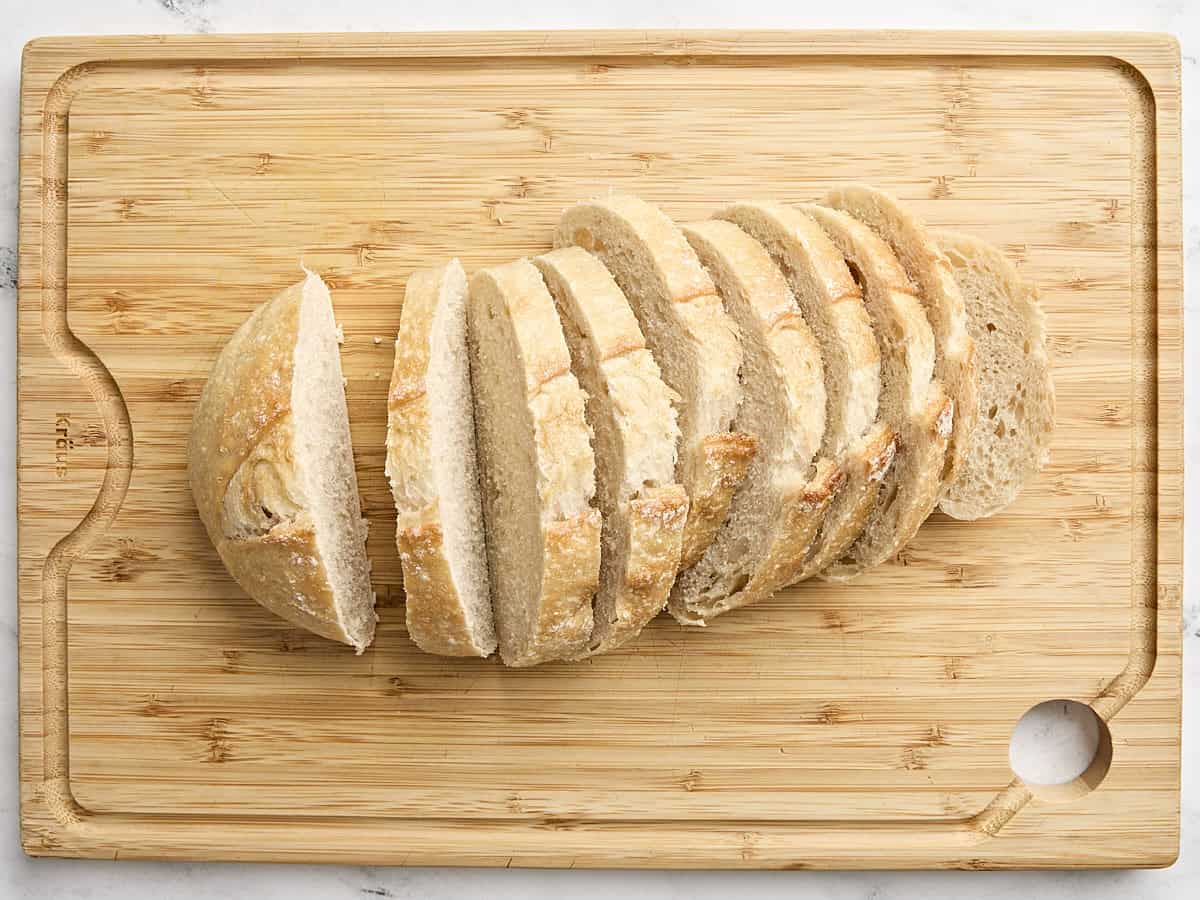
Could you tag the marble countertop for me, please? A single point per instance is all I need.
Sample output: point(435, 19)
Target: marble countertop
point(23, 877)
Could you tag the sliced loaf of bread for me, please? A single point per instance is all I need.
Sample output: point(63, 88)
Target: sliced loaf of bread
point(929, 271)
point(777, 510)
point(635, 434)
point(537, 468)
point(911, 400)
point(832, 305)
point(693, 340)
point(431, 468)
point(272, 469)
point(1011, 440)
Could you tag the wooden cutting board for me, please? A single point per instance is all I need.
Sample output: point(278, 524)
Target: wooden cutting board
point(169, 185)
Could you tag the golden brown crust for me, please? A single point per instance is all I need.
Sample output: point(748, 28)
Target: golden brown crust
point(570, 570)
point(412, 342)
point(558, 620)
point(282, 571)
point(544, 354)
point(927, 266)
point(656, 522)
point(805, 508)
point(264, 491)
point(634, 432)
point(696, 333)
point(719, 465)
point(683, 277)
point(911, 398)
point(790, 367)
point(924, 441)
point(409, 435)
point(959, 373)
point(806, 511)
point(246, 395)
point(864, 466)
point(434, 609)
point(241, 436)
point(603, 309)
point(776, 510)
point(823, 285)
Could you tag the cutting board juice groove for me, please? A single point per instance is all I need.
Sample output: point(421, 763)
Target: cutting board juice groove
point(168, 185)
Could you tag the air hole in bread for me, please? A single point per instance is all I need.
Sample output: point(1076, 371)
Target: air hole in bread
point(739, 550)
point(992, 412)
point(855, 273)
point(889, 498)
point(584, 238)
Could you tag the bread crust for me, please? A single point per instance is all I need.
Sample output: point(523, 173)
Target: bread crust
point(958, 499)
point(912, 401)
point(924, 441)
point(805, 507)
point(569, 546)
point(656, 520)
point(717, 467)
point(711, 462)
point(243, 474)
point(861, 447)
point(930, 271)
point(571, 568)
point(779, 507)
point(636, 408)
point(433, 608)
point(863, 467)
point(435, 611)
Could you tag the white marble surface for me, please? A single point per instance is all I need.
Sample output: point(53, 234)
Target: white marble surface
point(22, 20)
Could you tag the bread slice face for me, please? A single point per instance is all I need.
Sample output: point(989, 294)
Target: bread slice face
point(777, 510)
point(693, 340)
point(832, 305)
point(911, 400)
point(432, 470)
point(537, 468)
point(1011, 440)
point(635, 434)
point(272, 470)
point(931, 273)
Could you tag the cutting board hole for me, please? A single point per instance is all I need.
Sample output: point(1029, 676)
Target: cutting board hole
point(1061, 749)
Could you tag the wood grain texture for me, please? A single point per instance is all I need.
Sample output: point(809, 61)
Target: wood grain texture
point(169, 185)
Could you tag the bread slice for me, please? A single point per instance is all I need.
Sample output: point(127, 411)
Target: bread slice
point(1011, 441)
point(272, 471)
point(928, 269)
point(832, 305)
point(691, 338)
point(537, 468)
point(776, 512)
point(911, 400)
point(633, 421)
point(431, 468)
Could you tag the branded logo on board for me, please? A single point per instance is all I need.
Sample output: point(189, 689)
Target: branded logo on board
point(63, 443)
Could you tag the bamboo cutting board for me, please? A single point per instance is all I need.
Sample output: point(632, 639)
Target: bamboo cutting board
point(169, 185)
